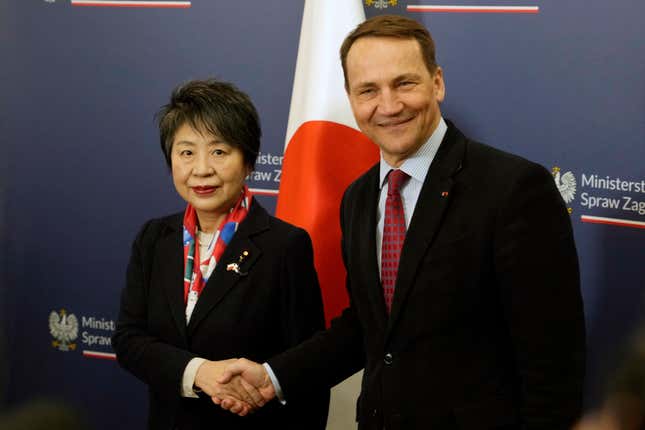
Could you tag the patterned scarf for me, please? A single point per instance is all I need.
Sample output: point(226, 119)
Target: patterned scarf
point(194, 281)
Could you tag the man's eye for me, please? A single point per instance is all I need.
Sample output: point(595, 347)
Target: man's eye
point(406, 83)
point(218, 152)
point(186, 153)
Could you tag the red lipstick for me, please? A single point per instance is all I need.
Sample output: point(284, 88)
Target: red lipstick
point(203, 190)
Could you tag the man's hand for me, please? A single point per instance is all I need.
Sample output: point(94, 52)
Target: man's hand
point(253, 377)
point(241, 396)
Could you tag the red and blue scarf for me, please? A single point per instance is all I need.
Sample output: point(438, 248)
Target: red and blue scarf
point(194, 281)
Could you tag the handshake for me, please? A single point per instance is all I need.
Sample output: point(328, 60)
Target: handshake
point(240, 386)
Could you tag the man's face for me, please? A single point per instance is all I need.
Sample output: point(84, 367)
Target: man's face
point(394, 97)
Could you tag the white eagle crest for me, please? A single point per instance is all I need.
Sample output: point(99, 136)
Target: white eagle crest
point(64, 328)
point(566, 184)
point(381, 4)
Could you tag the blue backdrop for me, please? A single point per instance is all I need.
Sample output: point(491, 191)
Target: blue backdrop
point(81, 168)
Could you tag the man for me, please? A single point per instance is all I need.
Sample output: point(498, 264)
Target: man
point(476, 321)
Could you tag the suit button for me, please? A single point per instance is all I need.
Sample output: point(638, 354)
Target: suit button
point(388, 359)
point(374, 412)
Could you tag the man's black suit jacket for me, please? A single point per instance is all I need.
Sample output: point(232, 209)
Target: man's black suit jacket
point(487, 327)
point(273, 305)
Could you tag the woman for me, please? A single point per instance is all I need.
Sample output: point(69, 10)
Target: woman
point(254, 292)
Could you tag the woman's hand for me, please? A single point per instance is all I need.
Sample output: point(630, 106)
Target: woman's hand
point(253, 377)
point(245, 396)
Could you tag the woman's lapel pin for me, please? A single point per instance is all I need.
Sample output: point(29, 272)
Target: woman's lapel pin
point(235, 267)
point(243, 256)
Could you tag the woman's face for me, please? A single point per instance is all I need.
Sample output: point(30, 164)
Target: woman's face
point(207, 172)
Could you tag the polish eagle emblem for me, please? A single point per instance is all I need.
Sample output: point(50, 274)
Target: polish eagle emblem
point(64, 329)
point(381, 4)
point(566, 183)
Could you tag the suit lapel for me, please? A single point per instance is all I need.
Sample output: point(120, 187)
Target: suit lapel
point(222, 280)
point(364, 244)
point(171, 253)
point(432, 203)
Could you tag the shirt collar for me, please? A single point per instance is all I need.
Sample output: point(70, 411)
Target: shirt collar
point(417, 164)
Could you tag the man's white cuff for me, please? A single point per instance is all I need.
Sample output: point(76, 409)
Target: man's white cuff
point(276, 384)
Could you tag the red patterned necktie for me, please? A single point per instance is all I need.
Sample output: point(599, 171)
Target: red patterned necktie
point(393, 235)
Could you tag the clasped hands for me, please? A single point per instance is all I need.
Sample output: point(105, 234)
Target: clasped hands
point(239, 386)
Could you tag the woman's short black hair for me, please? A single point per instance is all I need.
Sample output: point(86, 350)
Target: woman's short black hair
point(212, 106)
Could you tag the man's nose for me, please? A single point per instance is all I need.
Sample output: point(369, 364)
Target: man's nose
point(390, 103)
